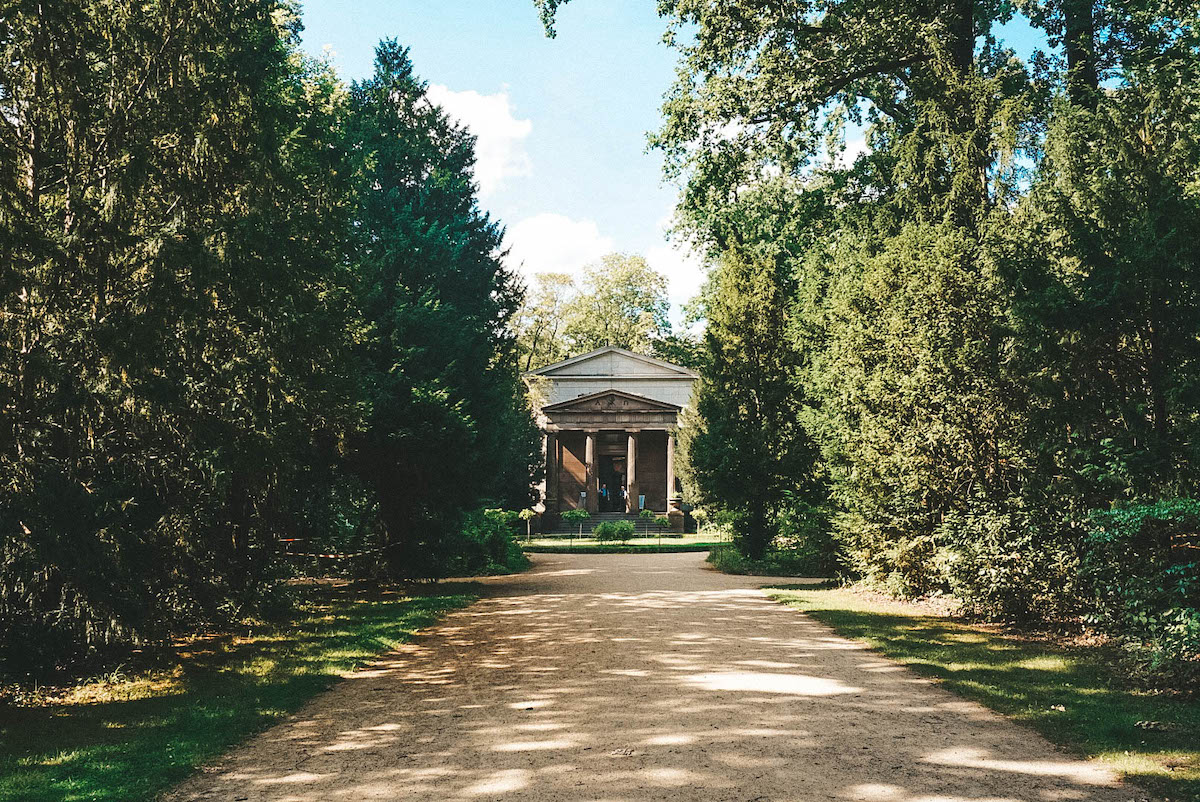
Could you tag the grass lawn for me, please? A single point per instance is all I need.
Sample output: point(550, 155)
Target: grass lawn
point(1072, 696)
point(128, 738)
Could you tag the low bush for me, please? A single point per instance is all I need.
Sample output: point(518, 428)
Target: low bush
point(1141, 574)
point(806, 537)
point(776, 562)
point(614, 530)
point(1010, 566)
point(487, 545)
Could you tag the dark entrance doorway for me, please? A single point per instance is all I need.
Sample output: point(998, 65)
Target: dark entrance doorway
point(612, 480)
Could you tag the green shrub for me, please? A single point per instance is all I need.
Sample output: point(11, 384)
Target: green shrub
point(614, 530)
point(1009, 566)
point(1142, 580)
point(528, 517)
point(806, 536)
point(487, 545)
point(662, 522)
point(646, 515)
point(727, 559)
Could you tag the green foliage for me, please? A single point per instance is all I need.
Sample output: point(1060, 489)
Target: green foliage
point(487, 545)
point(646, 515)
point(241, 302)
point(540, 321)
point(805, 538)
point(623, 302)
point(1141, 573)
point(988, 323)
point(577, 517)
point(173, 316)
point(746, 450)
point(986, 353)
point(662, 522)
point(620, 548)
point(804, 546)
point(444, 404)
point(614, 530)
point(1006, 565)
point(728, 559)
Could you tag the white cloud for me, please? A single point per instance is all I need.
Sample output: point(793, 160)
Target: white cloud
point(551, 242)
point(555, 243)
point(683, 267)
point(855, 147)
point(499, 151)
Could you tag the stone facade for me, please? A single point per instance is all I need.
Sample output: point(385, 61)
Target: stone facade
point(609, 419)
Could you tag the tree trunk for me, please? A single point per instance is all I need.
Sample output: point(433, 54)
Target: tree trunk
point(1079, 40)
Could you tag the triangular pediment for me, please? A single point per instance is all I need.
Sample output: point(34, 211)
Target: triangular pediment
point(613, 362)
point(614, 401)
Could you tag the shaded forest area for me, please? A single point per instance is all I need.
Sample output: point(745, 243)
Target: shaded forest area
point(962, 355)
point(242, 302)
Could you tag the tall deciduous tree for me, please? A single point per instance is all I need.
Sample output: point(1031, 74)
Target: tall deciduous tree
point(623, 302)
point(543, 318)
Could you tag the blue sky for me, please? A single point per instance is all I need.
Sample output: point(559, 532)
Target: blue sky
point(561, 122)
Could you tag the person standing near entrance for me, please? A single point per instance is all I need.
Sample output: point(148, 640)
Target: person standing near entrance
point(604, 498)
point(624, 500)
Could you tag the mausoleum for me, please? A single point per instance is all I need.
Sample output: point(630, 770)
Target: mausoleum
point(609, 419)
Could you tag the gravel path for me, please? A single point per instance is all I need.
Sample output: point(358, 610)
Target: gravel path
point(643, 677)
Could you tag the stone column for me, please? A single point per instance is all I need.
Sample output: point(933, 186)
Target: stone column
point(631, 483)
point(551, 501)
point(593, 482)
point(670, 470)
point(673, 511)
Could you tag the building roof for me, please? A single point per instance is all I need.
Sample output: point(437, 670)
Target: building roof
point(576, 366)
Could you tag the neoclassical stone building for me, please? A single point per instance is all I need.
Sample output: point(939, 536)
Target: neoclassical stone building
point(609, 419)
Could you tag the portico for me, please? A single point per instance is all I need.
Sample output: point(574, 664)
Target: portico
point(609, 419)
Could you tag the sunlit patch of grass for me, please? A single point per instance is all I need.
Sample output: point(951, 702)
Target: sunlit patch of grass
point(1075, 697)
point(129, 737)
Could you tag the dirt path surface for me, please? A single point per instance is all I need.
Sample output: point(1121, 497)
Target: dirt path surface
point(643, 677)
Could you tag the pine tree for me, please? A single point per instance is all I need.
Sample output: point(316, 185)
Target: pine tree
point(747, 452)
point(446, 423)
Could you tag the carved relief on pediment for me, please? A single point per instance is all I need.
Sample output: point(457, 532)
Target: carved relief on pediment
point(612, 401)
